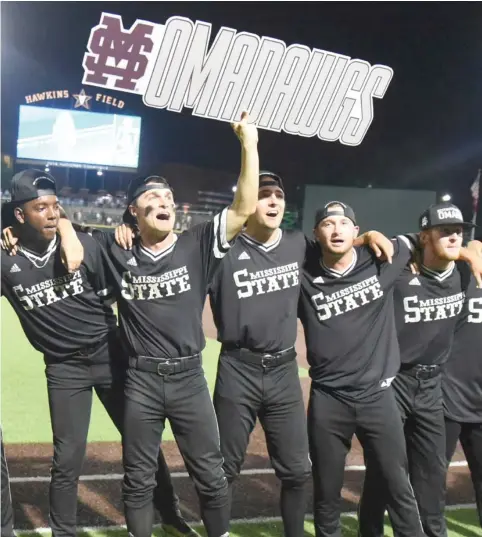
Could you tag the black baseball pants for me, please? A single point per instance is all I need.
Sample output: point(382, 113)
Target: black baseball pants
point(420, 406)
point(470, 436)
point(245, 391)
point(183, 398)
point(6, 503)
point(332, 422)
point(70, 386)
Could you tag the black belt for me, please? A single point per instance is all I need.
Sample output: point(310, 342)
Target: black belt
point(164, 366)
point(263, 359)
point(421, 372)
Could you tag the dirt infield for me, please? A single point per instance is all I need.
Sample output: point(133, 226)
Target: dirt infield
point(256, 493)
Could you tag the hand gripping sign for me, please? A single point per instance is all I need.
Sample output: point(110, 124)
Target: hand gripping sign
point(284, 88)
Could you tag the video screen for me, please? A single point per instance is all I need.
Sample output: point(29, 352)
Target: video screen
point(78, 138)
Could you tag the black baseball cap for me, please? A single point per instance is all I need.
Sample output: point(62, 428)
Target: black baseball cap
point(335, 208)
point(139, 185)
point(267, 178)
point(442, 214)
point(31, 184)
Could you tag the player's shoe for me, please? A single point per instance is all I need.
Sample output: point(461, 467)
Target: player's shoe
point(179, 529)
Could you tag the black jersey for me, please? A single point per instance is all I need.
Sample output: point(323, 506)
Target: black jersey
point(349, 321)
point(462, 375)
point(254, 296)
point(426, 309)
point(161, 294)
point(60, 313)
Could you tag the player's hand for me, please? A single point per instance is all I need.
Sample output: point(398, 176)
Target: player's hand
point(381, 245)
point(246, 132)
point(124, 236)
point(9, 241)
point(71, 253)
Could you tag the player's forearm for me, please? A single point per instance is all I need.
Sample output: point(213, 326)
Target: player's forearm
point(65, 228)
point(475, 262)
point(469, 256)
point(475, 246)
point(246, 197)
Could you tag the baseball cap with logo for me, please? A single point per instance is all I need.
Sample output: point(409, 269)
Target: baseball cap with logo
point(442, 214)
point(31, 184)
point(267, 178)
point(335, 208)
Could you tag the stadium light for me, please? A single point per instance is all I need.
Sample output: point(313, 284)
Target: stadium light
point(99, 173)
point(47, 169)
point(446, 197)
point(234, 188)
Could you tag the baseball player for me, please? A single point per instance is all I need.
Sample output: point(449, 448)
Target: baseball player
point(161, 289)
point(462, 389)
point(426, 310)
point(67, 317)
point(346, 308)
point(6, 503)
point(254, 299)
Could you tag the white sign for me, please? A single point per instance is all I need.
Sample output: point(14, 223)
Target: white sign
point(294, 89)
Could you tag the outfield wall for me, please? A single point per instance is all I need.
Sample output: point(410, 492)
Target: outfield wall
point(390, 211)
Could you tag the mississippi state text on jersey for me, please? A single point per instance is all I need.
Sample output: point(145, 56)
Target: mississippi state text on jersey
point(60, 313)
point(161, 294)
point(349, 321)
point(254, 295)
point(462, 374)
point(426, 309)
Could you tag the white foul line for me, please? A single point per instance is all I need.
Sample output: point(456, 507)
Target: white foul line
point(178, 475)
point(197, 524)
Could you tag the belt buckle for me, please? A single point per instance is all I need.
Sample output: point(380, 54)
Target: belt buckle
point(423, 373)
point(163, 364)
point(266, 359)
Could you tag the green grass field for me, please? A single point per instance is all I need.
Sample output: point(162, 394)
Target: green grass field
point(460, 522)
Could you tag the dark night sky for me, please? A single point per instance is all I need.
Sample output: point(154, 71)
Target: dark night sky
point(426, 132)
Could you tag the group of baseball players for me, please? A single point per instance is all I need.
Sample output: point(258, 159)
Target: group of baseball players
point(391, 337)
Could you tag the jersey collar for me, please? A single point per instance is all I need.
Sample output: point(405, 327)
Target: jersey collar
point(267, 246)
point(337, 273)
point(159, 254)
point(40, 260)
point(436, 275)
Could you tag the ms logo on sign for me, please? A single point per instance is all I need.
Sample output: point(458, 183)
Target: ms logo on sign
point(118, 52)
